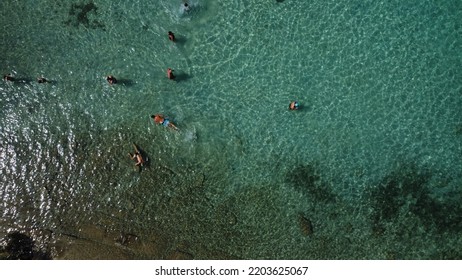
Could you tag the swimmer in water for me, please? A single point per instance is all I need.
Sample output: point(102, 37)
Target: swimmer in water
point(8, 78)
point(294, 105)
point(171, 36)
point(170, 74)
point(160, 119)
point(41, 80)
point(111, 80)
point(138, 158)
point(186, 7)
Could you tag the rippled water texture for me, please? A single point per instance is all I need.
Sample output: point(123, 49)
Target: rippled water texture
point(368, 168)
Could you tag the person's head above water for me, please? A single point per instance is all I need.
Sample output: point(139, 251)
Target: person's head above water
point(186, 6)
point(8, 78)
point(111, 79)
point(41, 80)
point(171, 36)
point(294, 105)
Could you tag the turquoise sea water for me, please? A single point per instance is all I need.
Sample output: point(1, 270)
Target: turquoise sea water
point(368, 168)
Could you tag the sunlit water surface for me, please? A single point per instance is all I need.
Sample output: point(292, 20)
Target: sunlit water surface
point(368, 168)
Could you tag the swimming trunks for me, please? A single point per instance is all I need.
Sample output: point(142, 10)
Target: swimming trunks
point(165, 122)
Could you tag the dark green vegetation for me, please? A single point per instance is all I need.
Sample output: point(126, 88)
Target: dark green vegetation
point(84, 14)
point(411, 213)
point(407, 191)
point(307, 178)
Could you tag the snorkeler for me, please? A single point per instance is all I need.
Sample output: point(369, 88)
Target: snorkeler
point(171, 36)
point(160, 119)
point(111, 79)
point(294, 105)
point(170, 74)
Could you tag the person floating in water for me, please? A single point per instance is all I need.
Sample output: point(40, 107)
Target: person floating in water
point(294, 105)
point(137, 157)
point(111, 80)
point(170, 74)
point(8, 78)
point(160, 119)
point(171, 36)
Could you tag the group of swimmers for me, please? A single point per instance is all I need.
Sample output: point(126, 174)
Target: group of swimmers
point(10, 78)
point(157, 118)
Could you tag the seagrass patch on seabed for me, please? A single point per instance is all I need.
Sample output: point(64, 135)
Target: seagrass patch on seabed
point(84, 14)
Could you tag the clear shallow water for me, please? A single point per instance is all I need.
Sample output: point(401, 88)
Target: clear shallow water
point(373, 158)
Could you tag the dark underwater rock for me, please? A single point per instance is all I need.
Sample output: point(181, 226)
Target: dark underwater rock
point(126, 239)
point(21, 247)
point(306, 225)
point(79, 15)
